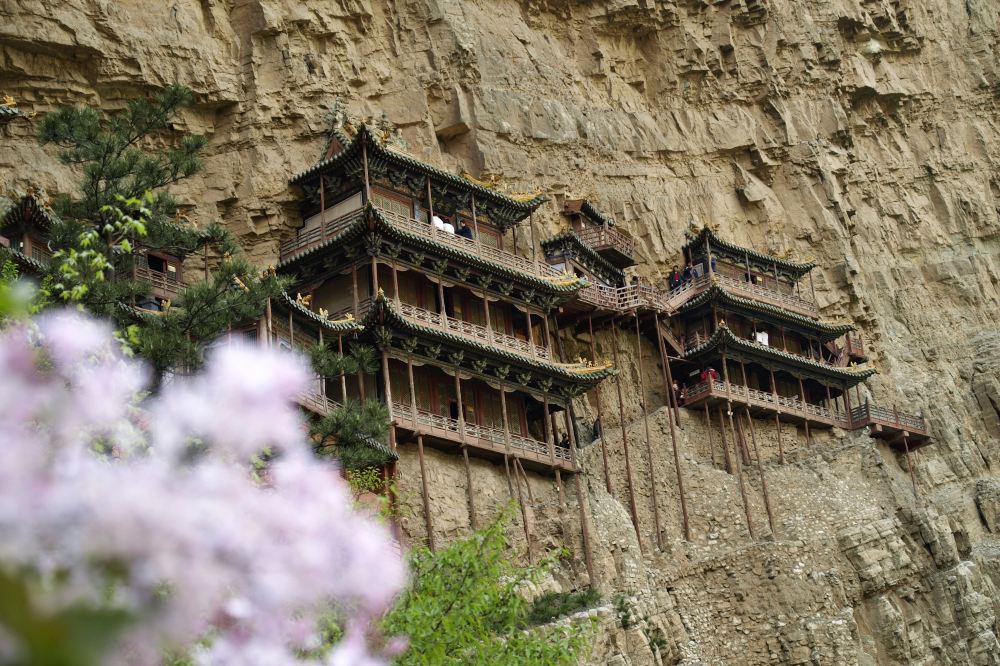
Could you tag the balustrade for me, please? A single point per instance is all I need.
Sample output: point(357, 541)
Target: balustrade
point(158, 280)
point(600, 238)
point(491, 434)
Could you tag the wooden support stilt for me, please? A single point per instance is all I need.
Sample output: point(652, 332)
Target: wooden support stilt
point(413, 391)
point(428, 520)
point(470, 492)
point(600, 414)
point(671, 413)
point(621, 417)
point(668, 377)
point(760, 469)
point(562, 491)
point(805, 419)
point(739, 473)
point(506, 433)
point(649, 440)
point(739, 444)
point(725, 444)
point(909, 465)
point(708, 429)
point(524, 513)
point(581, 497)
point(781, 449)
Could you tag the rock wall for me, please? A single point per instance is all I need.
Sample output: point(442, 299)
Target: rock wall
point(860, 133)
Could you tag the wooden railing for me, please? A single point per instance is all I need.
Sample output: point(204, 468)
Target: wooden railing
point(641, 296)
point(859, 417)
point(469, 245)
point(600, 238)
point(756, 397)
point(308, 239)
point(764, 294)
point(870, 414)
point(472, 331)
point(541, 451)
point(158, 280)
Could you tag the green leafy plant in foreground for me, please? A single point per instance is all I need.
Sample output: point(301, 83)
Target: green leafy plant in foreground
point(464, 606)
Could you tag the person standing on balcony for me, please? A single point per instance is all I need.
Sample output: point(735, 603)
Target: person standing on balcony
point(674, 280)
point(688, 273)
point(464, 230)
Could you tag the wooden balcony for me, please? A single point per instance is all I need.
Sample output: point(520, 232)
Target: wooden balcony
point(888, 424)
point(612, 244)
point(765, 402)
point(472, 332)
point(488, 442)
point(162, 285)
point(891, 425)
point(641, 296)
point(307, 240)
point(315, 237)
point(759, 292)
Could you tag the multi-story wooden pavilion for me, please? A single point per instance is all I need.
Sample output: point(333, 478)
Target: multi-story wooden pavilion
point(424, 260)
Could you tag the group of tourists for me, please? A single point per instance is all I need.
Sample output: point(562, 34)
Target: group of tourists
point(463, 230)
point(678, 278)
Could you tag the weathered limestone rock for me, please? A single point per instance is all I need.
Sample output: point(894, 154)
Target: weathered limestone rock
point(860, 133)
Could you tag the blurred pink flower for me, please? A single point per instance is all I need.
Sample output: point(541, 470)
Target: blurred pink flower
point(203, 548)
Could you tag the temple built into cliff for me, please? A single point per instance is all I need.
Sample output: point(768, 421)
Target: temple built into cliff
point(429, 268)
point(425, 266)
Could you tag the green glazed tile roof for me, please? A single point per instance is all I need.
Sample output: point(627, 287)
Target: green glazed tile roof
point(717, 293)
point(724, 338)
point(383, 311)
point(592, 256)
point(371, 213)
point(26, 208)
point(696, 243)
point(337, 326)
point(379, 149)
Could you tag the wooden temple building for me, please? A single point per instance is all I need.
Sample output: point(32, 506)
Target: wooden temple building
point(421, 264)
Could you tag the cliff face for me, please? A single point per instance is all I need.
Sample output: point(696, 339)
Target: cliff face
point(861, 133)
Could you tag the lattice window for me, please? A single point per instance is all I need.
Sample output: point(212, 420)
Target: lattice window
point(392, 205)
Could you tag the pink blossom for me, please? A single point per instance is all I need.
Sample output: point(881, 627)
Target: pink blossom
point(252, 566)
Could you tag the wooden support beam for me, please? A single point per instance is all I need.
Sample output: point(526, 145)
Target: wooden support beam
point(909, 465)
point(621, 417)
point(524, 513)
point(600, 415)
point(425, 494)
point(469, 491)
point(581, 496)
point(739, 472)
point(777, 412)
point(725, 444)
point(413, 390)
point(738, 444)
point(649, 440)
point(805, 418)
point(388, 395)
point(708, 429)
point(760, 469)
point(672, 411)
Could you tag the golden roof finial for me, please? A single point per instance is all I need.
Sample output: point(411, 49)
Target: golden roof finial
point(381, 294)
point(8, 101)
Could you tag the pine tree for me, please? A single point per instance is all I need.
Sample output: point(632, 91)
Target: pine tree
point(122, 206)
